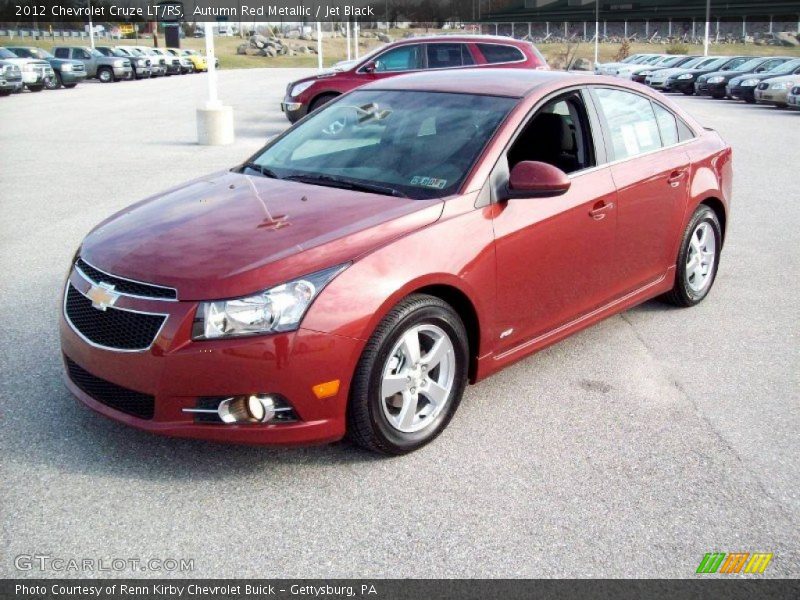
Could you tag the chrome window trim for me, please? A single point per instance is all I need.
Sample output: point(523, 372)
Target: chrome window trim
point(475, 66)
point(109, 348)
point(92, 281)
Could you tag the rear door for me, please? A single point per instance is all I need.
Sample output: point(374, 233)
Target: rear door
point(445, 55)
point(650, 168)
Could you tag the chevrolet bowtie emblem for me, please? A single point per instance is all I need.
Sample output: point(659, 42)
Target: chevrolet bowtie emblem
point(102, 296)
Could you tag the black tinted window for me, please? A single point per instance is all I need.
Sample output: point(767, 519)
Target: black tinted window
point(442, 56)
point(497, 53)
point(62, 52)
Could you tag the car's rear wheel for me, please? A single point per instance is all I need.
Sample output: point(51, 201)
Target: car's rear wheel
point(698, 258)
point(105, 75)
point(69, 86)
point(410, 378)
point(688, 91)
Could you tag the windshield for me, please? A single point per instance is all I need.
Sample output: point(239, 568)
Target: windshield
point(691, 64)
point(713, 64)
point(415, 144)
point(668, 62)
point(750, 65)
point(7, 54)
point(786, 68)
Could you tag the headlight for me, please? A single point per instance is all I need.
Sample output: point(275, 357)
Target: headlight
point(645, 73)
point(28, 67)
point(119, 63)
point(749, 83)
point(686, 76)
point(141, 63)
point(781, 86)
point(717, 79)
point(66, 67)
point(277, 309)
point(299, 88)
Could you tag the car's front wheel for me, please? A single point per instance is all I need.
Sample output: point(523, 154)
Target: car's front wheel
point(105, 75)
point(410, 378)
point(698, 258)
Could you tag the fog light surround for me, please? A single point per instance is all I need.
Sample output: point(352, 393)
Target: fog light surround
point(258, 408)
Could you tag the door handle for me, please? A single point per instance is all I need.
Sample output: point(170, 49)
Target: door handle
point(675, 177)
point(600, 209)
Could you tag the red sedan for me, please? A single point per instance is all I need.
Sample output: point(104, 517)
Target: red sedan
point(414, 235)
point(407, 56)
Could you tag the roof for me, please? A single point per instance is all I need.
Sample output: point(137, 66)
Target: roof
point(474, 38)
point(513, 83)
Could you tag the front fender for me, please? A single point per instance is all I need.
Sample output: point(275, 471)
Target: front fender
point(455, 251)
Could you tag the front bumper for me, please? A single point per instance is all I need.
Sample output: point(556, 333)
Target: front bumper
point(72, 76)
point(123, 72)
point(770, 96)
point(293, 109)
point(177, 372)
point(716, 90)
point(142, 72)
point(747, 94)
point(35, 77)
point(678, 85)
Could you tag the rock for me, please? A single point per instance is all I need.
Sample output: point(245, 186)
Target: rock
point(270, 51)
point(785, 38)
point(258, 41)
point(385, 38)
point(254, 51)
point(242, 49)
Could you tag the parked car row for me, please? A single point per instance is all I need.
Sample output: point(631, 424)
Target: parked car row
point(66, 66)
point(762, 79)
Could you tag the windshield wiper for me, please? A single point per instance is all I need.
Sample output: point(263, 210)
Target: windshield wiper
point(347, 184)
point(261, 169)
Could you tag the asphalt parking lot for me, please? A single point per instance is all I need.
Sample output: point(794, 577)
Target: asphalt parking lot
point(629, 450)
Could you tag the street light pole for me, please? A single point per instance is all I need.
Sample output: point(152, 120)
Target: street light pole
point(91, 27)
point(596, 31)
point(708, 25)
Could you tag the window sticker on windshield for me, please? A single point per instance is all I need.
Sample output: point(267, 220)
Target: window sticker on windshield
point(431, 182)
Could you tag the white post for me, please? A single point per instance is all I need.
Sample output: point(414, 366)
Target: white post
point(770, 23)
point(495, 28)
point(355, 36)
point(717, 31)
point(529, 29)
point(214, 121)
point(547, 28)
point(708, 27)
point(605, 30)
point(512, 29)
point(91, 27)
point(566, 33)
point(693, 35)
point(596, 31)
point(744, 27)
point(647, 28)
point(319, 45)
point(348, 40)
point(584, 31)
point(625, 35)
point(669, 32)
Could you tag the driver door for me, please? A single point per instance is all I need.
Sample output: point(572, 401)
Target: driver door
point(555, 254)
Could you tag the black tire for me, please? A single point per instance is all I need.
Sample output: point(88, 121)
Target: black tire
point(105, 75)
point(36, 88)
point(682, 294)
point(69, 86)
point(4, 93)
point(688, 91)
point(320, 101)
point(367, 424)
point(750, 100)
point(53, 83)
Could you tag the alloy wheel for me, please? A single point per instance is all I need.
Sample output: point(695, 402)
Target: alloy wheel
point(700, 257)
point(418, 378)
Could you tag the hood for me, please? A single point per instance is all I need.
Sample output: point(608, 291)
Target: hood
point(668, 71)
point(28, 61)
point(230, 234)
point(728, 74)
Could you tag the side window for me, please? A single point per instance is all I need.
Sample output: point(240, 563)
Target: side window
point(498, 53)
point(558, 134)
point(404, 58)
point(442, 56)
point(734, 64)
point(684, 132)
point(631, 122)
point(62, 53)
point(667, 125)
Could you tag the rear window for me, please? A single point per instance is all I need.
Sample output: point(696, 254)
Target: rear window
point(499, 53)
point(442, 56)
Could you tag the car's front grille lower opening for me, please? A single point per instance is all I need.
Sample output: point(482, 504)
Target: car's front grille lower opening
point(111, 328)
point(112, 395)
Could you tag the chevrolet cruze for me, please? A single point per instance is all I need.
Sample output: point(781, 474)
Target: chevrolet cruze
point(412, 236)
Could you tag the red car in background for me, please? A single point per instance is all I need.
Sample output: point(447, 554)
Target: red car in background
point(408, 56)
point(414, 235)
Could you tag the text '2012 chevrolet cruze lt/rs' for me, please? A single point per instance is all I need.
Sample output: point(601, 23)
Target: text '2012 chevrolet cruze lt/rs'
point(411, 236)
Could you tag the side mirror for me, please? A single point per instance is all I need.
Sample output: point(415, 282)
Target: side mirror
point(369, 67)
point(531, 179)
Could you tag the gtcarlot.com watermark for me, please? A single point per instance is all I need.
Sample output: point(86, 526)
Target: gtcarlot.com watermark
point(61, 564)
